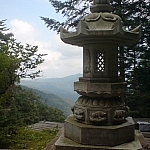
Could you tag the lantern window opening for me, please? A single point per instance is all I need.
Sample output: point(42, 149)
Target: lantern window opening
point(100, 61)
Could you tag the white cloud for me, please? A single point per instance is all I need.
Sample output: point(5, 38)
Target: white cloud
point(23, 31)
point(62, 59)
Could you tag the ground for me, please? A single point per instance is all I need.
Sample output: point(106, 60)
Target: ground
point(144, 137)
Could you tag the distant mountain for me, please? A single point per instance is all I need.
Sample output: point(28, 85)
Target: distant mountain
point(63, 87)
point(54, 101)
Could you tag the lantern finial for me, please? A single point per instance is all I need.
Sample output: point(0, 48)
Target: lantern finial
point(101, 6)
point(101, 2)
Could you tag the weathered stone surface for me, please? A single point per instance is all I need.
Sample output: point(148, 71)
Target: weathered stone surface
point(100, 111)
point(100, 89)
point(101, 6)
point(64, 143)
point(100, 28)
point(99, 135)
point(100, 60)
point(100, 80)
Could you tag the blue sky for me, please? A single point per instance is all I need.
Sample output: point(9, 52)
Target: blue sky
point(28, 11)
point(23, 20)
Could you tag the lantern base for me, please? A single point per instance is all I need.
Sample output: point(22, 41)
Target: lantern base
point(64, 143)
point(100, 111)
point(99, 135)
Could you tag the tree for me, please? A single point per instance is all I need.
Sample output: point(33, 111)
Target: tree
point(133, 13)
point(25, 109)
point(17, 61)
point(137, 60)
point(73, 10)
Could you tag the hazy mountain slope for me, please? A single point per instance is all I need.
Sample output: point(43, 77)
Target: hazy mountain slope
point(54, 101)
point(63, 87)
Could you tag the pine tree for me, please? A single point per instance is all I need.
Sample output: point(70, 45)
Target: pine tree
point(137, 56)
point(72, 10)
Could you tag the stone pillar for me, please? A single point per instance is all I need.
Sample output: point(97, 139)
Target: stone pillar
point(100, 88)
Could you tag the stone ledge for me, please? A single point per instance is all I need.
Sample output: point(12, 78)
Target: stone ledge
point(66, 144)
point(99, 135)
point(97, 87)
point(100, 89)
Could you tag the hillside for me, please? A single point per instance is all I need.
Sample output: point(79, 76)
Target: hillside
point(63, 87)
point(54, 101)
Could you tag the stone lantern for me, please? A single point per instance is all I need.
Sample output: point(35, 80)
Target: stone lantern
point(100, 116)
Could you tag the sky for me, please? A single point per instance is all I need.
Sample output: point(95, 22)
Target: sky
point(23, 20)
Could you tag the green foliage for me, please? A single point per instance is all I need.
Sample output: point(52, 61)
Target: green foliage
point(27, 58)
point(32, 110)
point(55, 102)
point(25, 109)
point(16, 60)
point(6, 36)
point(73, 10)
point(19, 107)
point(139, 91)
point(137, 60)
point(8, 66)
point(25, 138)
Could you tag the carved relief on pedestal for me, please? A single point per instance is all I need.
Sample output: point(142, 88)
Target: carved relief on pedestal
point(79, 114)
point(119, 115)
point(100, 102)
point(98, 117)
point(100, 111)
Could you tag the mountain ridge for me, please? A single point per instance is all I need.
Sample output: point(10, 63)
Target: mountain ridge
point(62, 87)
point(53, 100)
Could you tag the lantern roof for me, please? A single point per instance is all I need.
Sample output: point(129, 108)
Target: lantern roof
point(99, 27)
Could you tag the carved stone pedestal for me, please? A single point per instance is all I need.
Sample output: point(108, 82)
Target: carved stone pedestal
point(100, 111)
point(79, 136)
point(99, 135)
point(64, 143)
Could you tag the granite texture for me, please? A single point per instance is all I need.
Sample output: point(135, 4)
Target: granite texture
point(64, 143)
point(99, 135)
